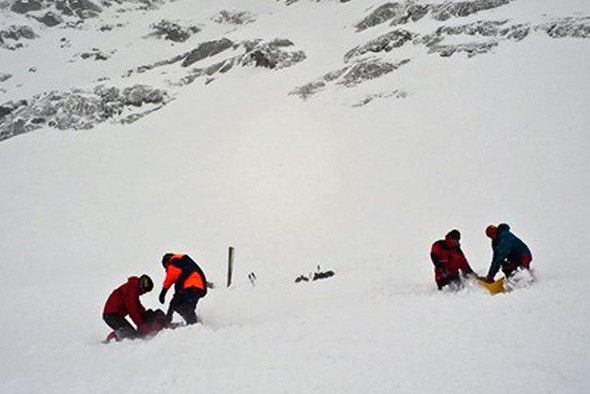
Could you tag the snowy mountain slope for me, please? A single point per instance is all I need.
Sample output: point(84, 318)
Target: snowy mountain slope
point(292, 183)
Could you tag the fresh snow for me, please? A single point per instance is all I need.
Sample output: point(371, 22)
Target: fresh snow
point(293, 184)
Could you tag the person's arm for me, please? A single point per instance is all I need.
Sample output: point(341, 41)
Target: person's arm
point(134, 307)
point(464, 266)
point(501, 252)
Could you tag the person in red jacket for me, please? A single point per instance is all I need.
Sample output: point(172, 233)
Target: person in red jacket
point(448, 260)
point(189, 282)
point(124, 301)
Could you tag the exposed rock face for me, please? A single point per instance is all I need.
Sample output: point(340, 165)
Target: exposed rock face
point(10, 37)
point(24, 6)
point(173, 31)
point(350, 76)
point(398, 94)
point(401, 13)
point(234, 17)
point(365, 71)
point(95, 54)
point(568, 27)
point(207, 49)
point(384, 43)
point(492, 31)
point(76, 109)
point(271, 54)
point(50, 19)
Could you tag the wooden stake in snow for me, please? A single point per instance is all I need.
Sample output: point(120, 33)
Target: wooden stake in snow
point(230, 265)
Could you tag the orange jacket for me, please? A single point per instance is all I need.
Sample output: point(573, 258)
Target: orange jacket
point(180, 269)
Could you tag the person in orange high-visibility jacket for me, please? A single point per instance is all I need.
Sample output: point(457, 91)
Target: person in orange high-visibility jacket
point(189, 282)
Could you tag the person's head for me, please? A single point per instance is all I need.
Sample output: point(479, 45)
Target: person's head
point(492, 231)
point(453, 237)
point(166, 259)
point(145, 284)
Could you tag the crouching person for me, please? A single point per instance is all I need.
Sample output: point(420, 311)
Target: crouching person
point(189, 282)
point(509, 252)
point(448, 260)
point(124, 301)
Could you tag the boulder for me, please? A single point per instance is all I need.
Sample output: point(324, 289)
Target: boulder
point(207, 49)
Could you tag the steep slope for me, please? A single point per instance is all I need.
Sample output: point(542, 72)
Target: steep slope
point(357, 150)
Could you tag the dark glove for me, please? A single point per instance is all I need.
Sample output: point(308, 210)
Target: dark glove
point(162, 296)
point(489, 279)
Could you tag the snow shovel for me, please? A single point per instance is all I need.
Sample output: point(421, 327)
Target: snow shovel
point(495, 287)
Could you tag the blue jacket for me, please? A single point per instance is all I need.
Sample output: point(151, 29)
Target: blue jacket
point(506, 246)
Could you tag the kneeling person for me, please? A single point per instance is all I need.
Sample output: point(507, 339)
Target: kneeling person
point(124, 301)
point(448, 260)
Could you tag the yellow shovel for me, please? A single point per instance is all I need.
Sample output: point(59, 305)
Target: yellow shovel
point(495, 287)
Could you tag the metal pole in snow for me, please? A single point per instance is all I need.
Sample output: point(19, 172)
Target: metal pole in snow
point(230, 265)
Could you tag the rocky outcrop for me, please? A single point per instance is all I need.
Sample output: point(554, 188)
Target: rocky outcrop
point(567, 27)
point(173, 31)
point(94, 54)
point(207, 49)
point(50, 19)
point(272, 54)
point(384, 43)
point(488, 34)
point(401, 13)
point(365, 71)
point(11, 37)
point(24, 6)
point(350, 76)
point(276, 54)
point(77, 109)
point(397, 94)
point(233, 17)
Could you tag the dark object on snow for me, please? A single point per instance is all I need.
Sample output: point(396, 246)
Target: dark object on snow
point(319, 274)
point(302, 278)
point(323, 275)
point(252, 277)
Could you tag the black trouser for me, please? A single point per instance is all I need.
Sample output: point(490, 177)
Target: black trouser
point(123, 329)
point(450, 279)
point(185, 303)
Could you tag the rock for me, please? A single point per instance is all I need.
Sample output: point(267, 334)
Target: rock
point(401, 13)
point(446, 11)
point(384, 43)
point(174, 32)
point(365, 71)
point(50, 19)
point(272, 55)
point(207, 49)
point(262, 59)
point(308, 90)
point(471, 49)
point(496, 30)
point(568, 27)
point(233, 17)
point(24, 6)
point(4, 77)
point(84, 9)
point(142, 94)
point(77, 109)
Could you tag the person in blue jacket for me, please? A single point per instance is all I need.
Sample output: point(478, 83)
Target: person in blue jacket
point(509, 252)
